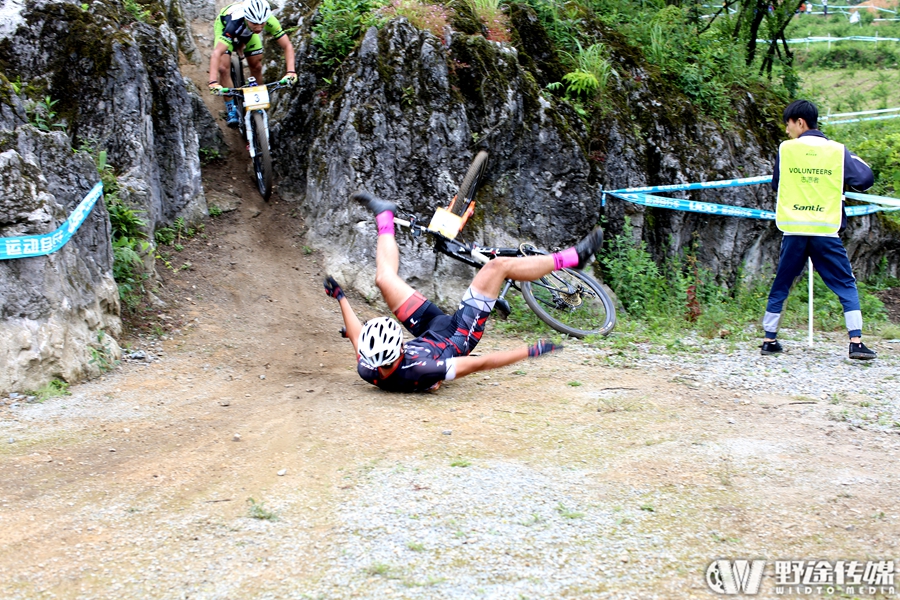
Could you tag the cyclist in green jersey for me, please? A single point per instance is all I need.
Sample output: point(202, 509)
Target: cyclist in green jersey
point(238, 27)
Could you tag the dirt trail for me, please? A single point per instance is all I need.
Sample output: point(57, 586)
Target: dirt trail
point(134, 486)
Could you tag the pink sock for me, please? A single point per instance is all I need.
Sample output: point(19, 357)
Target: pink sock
point(566, 258)
point(385, 222)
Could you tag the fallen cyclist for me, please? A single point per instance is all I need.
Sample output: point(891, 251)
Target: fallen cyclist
point(441, 348)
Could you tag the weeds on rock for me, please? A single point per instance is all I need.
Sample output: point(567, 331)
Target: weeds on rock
point(43, 116)
point(340, 23)
point(101, 354)
point(421, 15)
point(52, 389)
point(491, 16)
point(567, 513)
point(209, 155)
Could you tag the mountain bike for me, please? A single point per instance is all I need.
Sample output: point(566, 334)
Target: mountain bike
point(567, 300)
point(252, 100)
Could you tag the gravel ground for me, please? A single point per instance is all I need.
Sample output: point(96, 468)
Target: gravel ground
point(822, 373)
point(632, 509)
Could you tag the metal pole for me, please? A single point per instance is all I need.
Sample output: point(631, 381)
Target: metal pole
point(809, 267)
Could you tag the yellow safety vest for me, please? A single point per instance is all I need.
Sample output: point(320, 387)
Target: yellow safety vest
point(810, 186)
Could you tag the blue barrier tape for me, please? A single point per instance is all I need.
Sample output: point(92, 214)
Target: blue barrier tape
point(881, 118)
point(677, 187)
point(638, 195)
point(39, 245)
point(884, 200)
point(707, 208)
point(866, 209)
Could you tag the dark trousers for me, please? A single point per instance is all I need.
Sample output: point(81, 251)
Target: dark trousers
point(830, 259)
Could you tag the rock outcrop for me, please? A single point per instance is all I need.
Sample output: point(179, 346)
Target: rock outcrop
point(103, 80)
point(59, 314)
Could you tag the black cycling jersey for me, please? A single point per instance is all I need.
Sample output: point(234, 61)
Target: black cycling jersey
point(420, 368)
point(428, 359)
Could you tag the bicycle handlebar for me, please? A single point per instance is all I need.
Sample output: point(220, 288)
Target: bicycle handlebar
point(275, 85)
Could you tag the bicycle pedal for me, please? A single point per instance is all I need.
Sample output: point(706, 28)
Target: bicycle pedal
point(503, 309)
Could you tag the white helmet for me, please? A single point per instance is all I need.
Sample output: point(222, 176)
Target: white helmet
point(380, 341)
point(257, 11)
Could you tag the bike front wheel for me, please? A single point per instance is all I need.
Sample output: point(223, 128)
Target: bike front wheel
point(571, 302)
point(469, 186)
point(262, 160)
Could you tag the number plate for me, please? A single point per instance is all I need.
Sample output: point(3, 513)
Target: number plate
point(445, 222)
point(256, 97)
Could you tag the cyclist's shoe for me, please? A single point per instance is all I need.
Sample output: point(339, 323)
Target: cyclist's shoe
point(234, 118)
point(860, 352)
point(773, 347)
point(376, 205)
point(588, 247)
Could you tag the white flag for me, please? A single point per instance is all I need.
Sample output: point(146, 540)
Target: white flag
point(854, 17)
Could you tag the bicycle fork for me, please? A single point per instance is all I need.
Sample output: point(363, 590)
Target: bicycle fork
point(250, 145)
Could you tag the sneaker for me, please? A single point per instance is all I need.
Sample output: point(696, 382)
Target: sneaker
point(234, 118)
point(588, 247)
point(773, 347)
point(376, 205)
point(860, 352)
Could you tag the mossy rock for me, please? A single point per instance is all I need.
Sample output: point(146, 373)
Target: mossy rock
point(6, 90)
point(464, 19)
point(537, 52)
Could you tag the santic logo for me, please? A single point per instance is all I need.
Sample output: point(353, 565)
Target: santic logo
point(735, 576)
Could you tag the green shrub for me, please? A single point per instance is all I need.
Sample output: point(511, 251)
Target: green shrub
point(688, 297)
point(53, 389)
point(877, 143)
point(340, 23)
point(592, 71)
point(630, 271)
point(43, 115)
point(128, 237)
point(137, 11)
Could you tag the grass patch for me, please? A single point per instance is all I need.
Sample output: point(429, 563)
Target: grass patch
point(460, 462)
point(566, 513)
point(52, 389)
point(257, 510)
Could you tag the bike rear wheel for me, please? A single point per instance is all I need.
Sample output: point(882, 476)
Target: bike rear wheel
point(262, 160)
point(237, 80)
point(571, 302)
point(469, 186)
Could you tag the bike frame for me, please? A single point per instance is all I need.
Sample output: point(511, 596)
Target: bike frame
point(248, 112)
point(472, 255)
